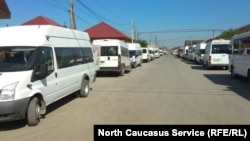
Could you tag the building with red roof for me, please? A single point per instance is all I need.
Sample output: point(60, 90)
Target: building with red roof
point(4, 10)
point(41, 20)
point(105, 31)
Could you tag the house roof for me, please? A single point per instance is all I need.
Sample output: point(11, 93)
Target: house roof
point(4, 10)
point(105, 31)
point(41, 20)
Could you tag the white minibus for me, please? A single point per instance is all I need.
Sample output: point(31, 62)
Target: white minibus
point(199, 53)
point(145, 54)
point(135, 54)
point(217, 54)
point(151, 53)
point(40, 64)
point(240, 57)
point(114, 56)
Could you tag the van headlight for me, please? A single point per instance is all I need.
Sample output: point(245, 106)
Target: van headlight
point(8, 92)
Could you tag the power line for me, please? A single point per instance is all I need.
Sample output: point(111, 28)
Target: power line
point(181, 30)
point(60, 6)
point(101, 18)
point(107, 10)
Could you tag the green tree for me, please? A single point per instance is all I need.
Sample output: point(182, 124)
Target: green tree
point(143, 43)
point(228, 34)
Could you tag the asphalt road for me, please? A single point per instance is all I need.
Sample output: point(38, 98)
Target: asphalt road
point(168, 90)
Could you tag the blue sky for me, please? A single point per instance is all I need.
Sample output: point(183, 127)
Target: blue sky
point(156, 21)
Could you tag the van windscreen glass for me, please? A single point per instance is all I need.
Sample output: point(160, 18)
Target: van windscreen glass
point(17, 58)
point(132, 53)
point(109, 51)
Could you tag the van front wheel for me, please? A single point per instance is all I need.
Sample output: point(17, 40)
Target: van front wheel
point(85, 88)
point(33, 113)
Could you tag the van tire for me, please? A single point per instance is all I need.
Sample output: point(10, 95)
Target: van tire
point(122, 72)
point(33, 112)
point(233, 75)
point(248, 76)
point(140, 63)
point(84, 92)
point(207, 66)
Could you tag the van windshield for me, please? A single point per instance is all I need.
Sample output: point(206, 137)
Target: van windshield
point(109, 51)
point(132, 53)
point(202, 51)
point(17, 58)
point(220, 48)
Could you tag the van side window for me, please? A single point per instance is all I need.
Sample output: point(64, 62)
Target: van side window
point(71, 56)
point(46, 57)
point(124, 52)
point(65, 57)
point(77, 55)
point(87, 55)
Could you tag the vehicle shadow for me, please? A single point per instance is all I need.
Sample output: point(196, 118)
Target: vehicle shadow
point(239, 86)
point(197, 67)
point(108, 74)
point(13, 125)
point(201, 67)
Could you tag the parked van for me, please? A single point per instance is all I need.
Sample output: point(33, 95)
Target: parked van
point(217, 54)
point(145, 54)
point(96, 52)
point(199, 53)
point(151, 53)
point(135, 54)
point(156, 52)
point(39, 65)
point(185, 52)
point(114, 56)
point(191, 53)
point(240, 57)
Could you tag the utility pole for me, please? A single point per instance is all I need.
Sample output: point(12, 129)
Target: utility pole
point(72, 15)
point(132, 30)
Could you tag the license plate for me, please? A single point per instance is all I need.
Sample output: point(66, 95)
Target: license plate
point(216, 60)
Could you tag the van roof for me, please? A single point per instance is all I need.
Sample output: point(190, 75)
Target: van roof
point(220, 41)
point(29, 32)
point(133, 46)
point(106, 42)
point(241, 35)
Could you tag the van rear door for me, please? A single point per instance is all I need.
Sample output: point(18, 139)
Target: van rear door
point(109, 56)
point(220, 54)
